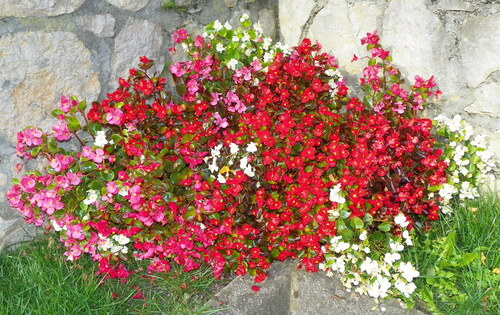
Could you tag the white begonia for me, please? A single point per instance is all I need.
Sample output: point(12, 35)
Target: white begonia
point(228, 26)
point(91, 197)
point(408, 271)
point(391, 258)
point(337, 245)
point(468, 192)
point(406, 288)
point(266, 43)
point(447, 192)
point(212, 167)
point(233, 148)
point(396, 246)
point(245, 38)
point(479, 141)
point(100, 139)
point(363, 235)
point(258, 28)
point(334, 213)
point(232, 64)
point(185, 46)
point(221, 179)
point(268, 57)
point(104, 243)
point(244, 17)
point(56, 226)
point(251, 148)
point(379, 287)
point(454, 124)
point(217, 25)
point(369, 266)
point(235, 39)
point(335, 195)
point(121, 239)
point(220, 47)
point(123, 191)
point(400, 220)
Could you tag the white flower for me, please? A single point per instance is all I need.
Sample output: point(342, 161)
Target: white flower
point(479, 141)
point(335, 195)
point(245, 38)
point(91, 197)
point(221, 179)
point(391, 258)
point(258, 28)
point(56, 226)
point(363, 235)
point(266, 43)
point(121, 239)
point(447, 191)
point(233, 148)
point(408, 271)
point(379, 287)
point(244, 17)
point(251, 148)
point(228, 26)
point(100, 139)
point(396, 246)
point(212, 167)
point(217, 25)
point(405, 288)
point(232, 64)
point(236, 39)
point(369, 266)
point(220, 47)
point(268, 57)
point(400, 220)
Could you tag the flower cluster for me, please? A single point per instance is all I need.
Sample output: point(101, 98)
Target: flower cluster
point(261, 155)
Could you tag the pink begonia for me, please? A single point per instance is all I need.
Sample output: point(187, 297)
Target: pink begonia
point(66, 103)
point(220, 122)
point(215, 98)
point(399, 108)
point(198, 41)
point(32, 136)
point(112, 188)
point(232, 98)
point(14, 196)
point(61, 131)
point(179, 36)
point(192, 86)
point(114, 116)
point(74, 252)
point(75, 231)
point(177, 69)
point(73, 178)
point(28, 183)
point(256, 65)
point(61, 162)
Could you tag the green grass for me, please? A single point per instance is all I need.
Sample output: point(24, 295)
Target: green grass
point(458, 260)
point(36, 279)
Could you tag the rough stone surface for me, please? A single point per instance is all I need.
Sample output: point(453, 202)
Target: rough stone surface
point(102, 25)
point(130, 5)
point(339, 29)
point(231, 3)
point(415, 36)
point(36, 68)
point(14, 231)
point(25, 8)
point(455, 5)
point(479, 46)
point(293, 14)
point(487, 100)
point(295, 292)
point(266, 20)
point(137, 38)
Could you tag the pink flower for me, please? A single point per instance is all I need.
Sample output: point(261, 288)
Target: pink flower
point(177, 69)
point(61, 162)
point(215, 98)
point(112, 188)
point(114, 116)
point(371, 38)
point(399, 108)
point(256, 65)
point(198, 42)
point(32, 136)
point(66, 103)
point(192, 86)
point(28, 184)
point(74, 179)
point(75, 231)
point(179, 36)
point(220, 122)
point(61, 131)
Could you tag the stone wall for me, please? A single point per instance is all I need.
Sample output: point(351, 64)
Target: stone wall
point(80, 47)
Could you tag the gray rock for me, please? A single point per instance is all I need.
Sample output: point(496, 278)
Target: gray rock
point(231, 3)
point(36, 68)
point(291, 291)
point(455, 5)
point(339, 29)
point(487, 100)
point(137, 38)
point(293, 14)
point(479, 48)
point(266, 20)
point(416, 38)
point(129, 5)
point(102, 25)
point(15, 231)
point(25, 8)
point(249, 1)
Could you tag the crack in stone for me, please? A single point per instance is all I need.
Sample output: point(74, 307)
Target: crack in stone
point(320, 4)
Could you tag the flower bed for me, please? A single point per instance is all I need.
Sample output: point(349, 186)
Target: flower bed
point(262, 154)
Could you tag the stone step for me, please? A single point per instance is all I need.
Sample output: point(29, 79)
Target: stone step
point(289, 291)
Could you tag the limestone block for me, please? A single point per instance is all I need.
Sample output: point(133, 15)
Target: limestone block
point(25, 8)
point(454, 5)
point(129, 5)
point(293, 14)
point(487, 100)
point(137, 38)
point(266, 20)
point(416, 38)
point(102, 25)
point(231, 3)
point(339, 29)
point(36, 68)
point(479, 48)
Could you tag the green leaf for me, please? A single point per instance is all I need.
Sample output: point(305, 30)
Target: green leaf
point(346, 234)
point(377, 236)
point(82, 106)
point(340, 225)
point(73, 123)
point(57, 112)
point(345, 214)
point(88, 166)
point(96, 185)
point(357, 223)
point(106, 175)
point(386, 227)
